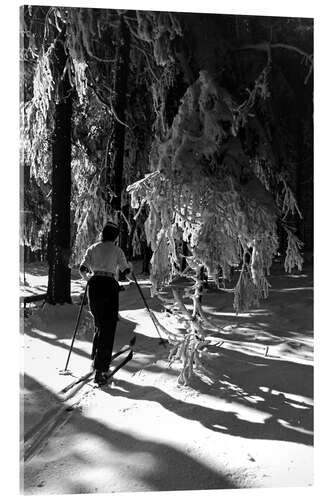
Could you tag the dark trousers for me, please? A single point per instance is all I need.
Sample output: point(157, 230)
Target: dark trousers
point(103, 297)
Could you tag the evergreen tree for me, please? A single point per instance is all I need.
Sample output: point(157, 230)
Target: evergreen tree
point(222, 174)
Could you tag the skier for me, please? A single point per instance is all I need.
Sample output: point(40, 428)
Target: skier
point(99, 268)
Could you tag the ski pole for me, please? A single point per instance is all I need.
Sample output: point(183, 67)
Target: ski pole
point(162, 341)
point(76, 326)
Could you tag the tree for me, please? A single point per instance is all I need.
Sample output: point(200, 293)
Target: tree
point(59, 39)
point(59, 283)
point(221, 173)
point(47, 136)
point(124, 84)
point(35, 201)
point(118, 139)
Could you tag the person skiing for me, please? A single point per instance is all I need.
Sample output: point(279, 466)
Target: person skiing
point(99, 267)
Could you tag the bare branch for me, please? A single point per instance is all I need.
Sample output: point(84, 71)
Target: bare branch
point(106, 103)
point(309, 57)
point(265, 45)
point(148, 62)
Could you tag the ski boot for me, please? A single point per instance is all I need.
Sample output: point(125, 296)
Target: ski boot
point(101, 378)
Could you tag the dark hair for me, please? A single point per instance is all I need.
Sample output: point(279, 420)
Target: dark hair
point(110, 232)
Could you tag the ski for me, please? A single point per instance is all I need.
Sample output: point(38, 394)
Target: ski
point(88, 375)
point(84, 377)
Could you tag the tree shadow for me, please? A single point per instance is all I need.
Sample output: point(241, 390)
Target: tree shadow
point(144, 346)
point(277, 393)
point(130, 299)
point(35, 399)
point(169, 468)
point(288, 316)
point(252, 397)
point(29, 289)
point(57, 343)
point(250, 372)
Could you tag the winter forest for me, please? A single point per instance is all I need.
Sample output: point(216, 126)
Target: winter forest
point(193, 133)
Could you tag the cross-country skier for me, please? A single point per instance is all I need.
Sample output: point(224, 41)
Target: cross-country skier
point(99, 266)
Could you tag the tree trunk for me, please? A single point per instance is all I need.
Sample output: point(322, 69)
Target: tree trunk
point(120, 91)
point(59, 284)
point(146, 256)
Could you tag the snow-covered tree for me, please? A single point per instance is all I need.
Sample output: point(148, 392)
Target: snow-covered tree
point(219, 182)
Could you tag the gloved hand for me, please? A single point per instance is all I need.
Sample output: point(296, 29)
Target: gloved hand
point(85, 276)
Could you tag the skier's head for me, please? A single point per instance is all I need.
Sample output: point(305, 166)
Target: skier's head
point(110, 232)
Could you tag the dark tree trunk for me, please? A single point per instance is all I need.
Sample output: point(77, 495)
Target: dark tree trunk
point(59, 283)
point(146, 257)
point(120, 91)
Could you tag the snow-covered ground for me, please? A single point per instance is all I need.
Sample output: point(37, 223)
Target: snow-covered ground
point(246, 422)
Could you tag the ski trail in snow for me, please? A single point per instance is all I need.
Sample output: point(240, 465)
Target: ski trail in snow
point(36, 438)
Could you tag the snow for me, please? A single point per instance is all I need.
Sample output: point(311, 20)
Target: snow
point(246, 421)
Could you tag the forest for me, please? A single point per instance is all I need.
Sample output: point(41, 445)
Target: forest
point(194, 134)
